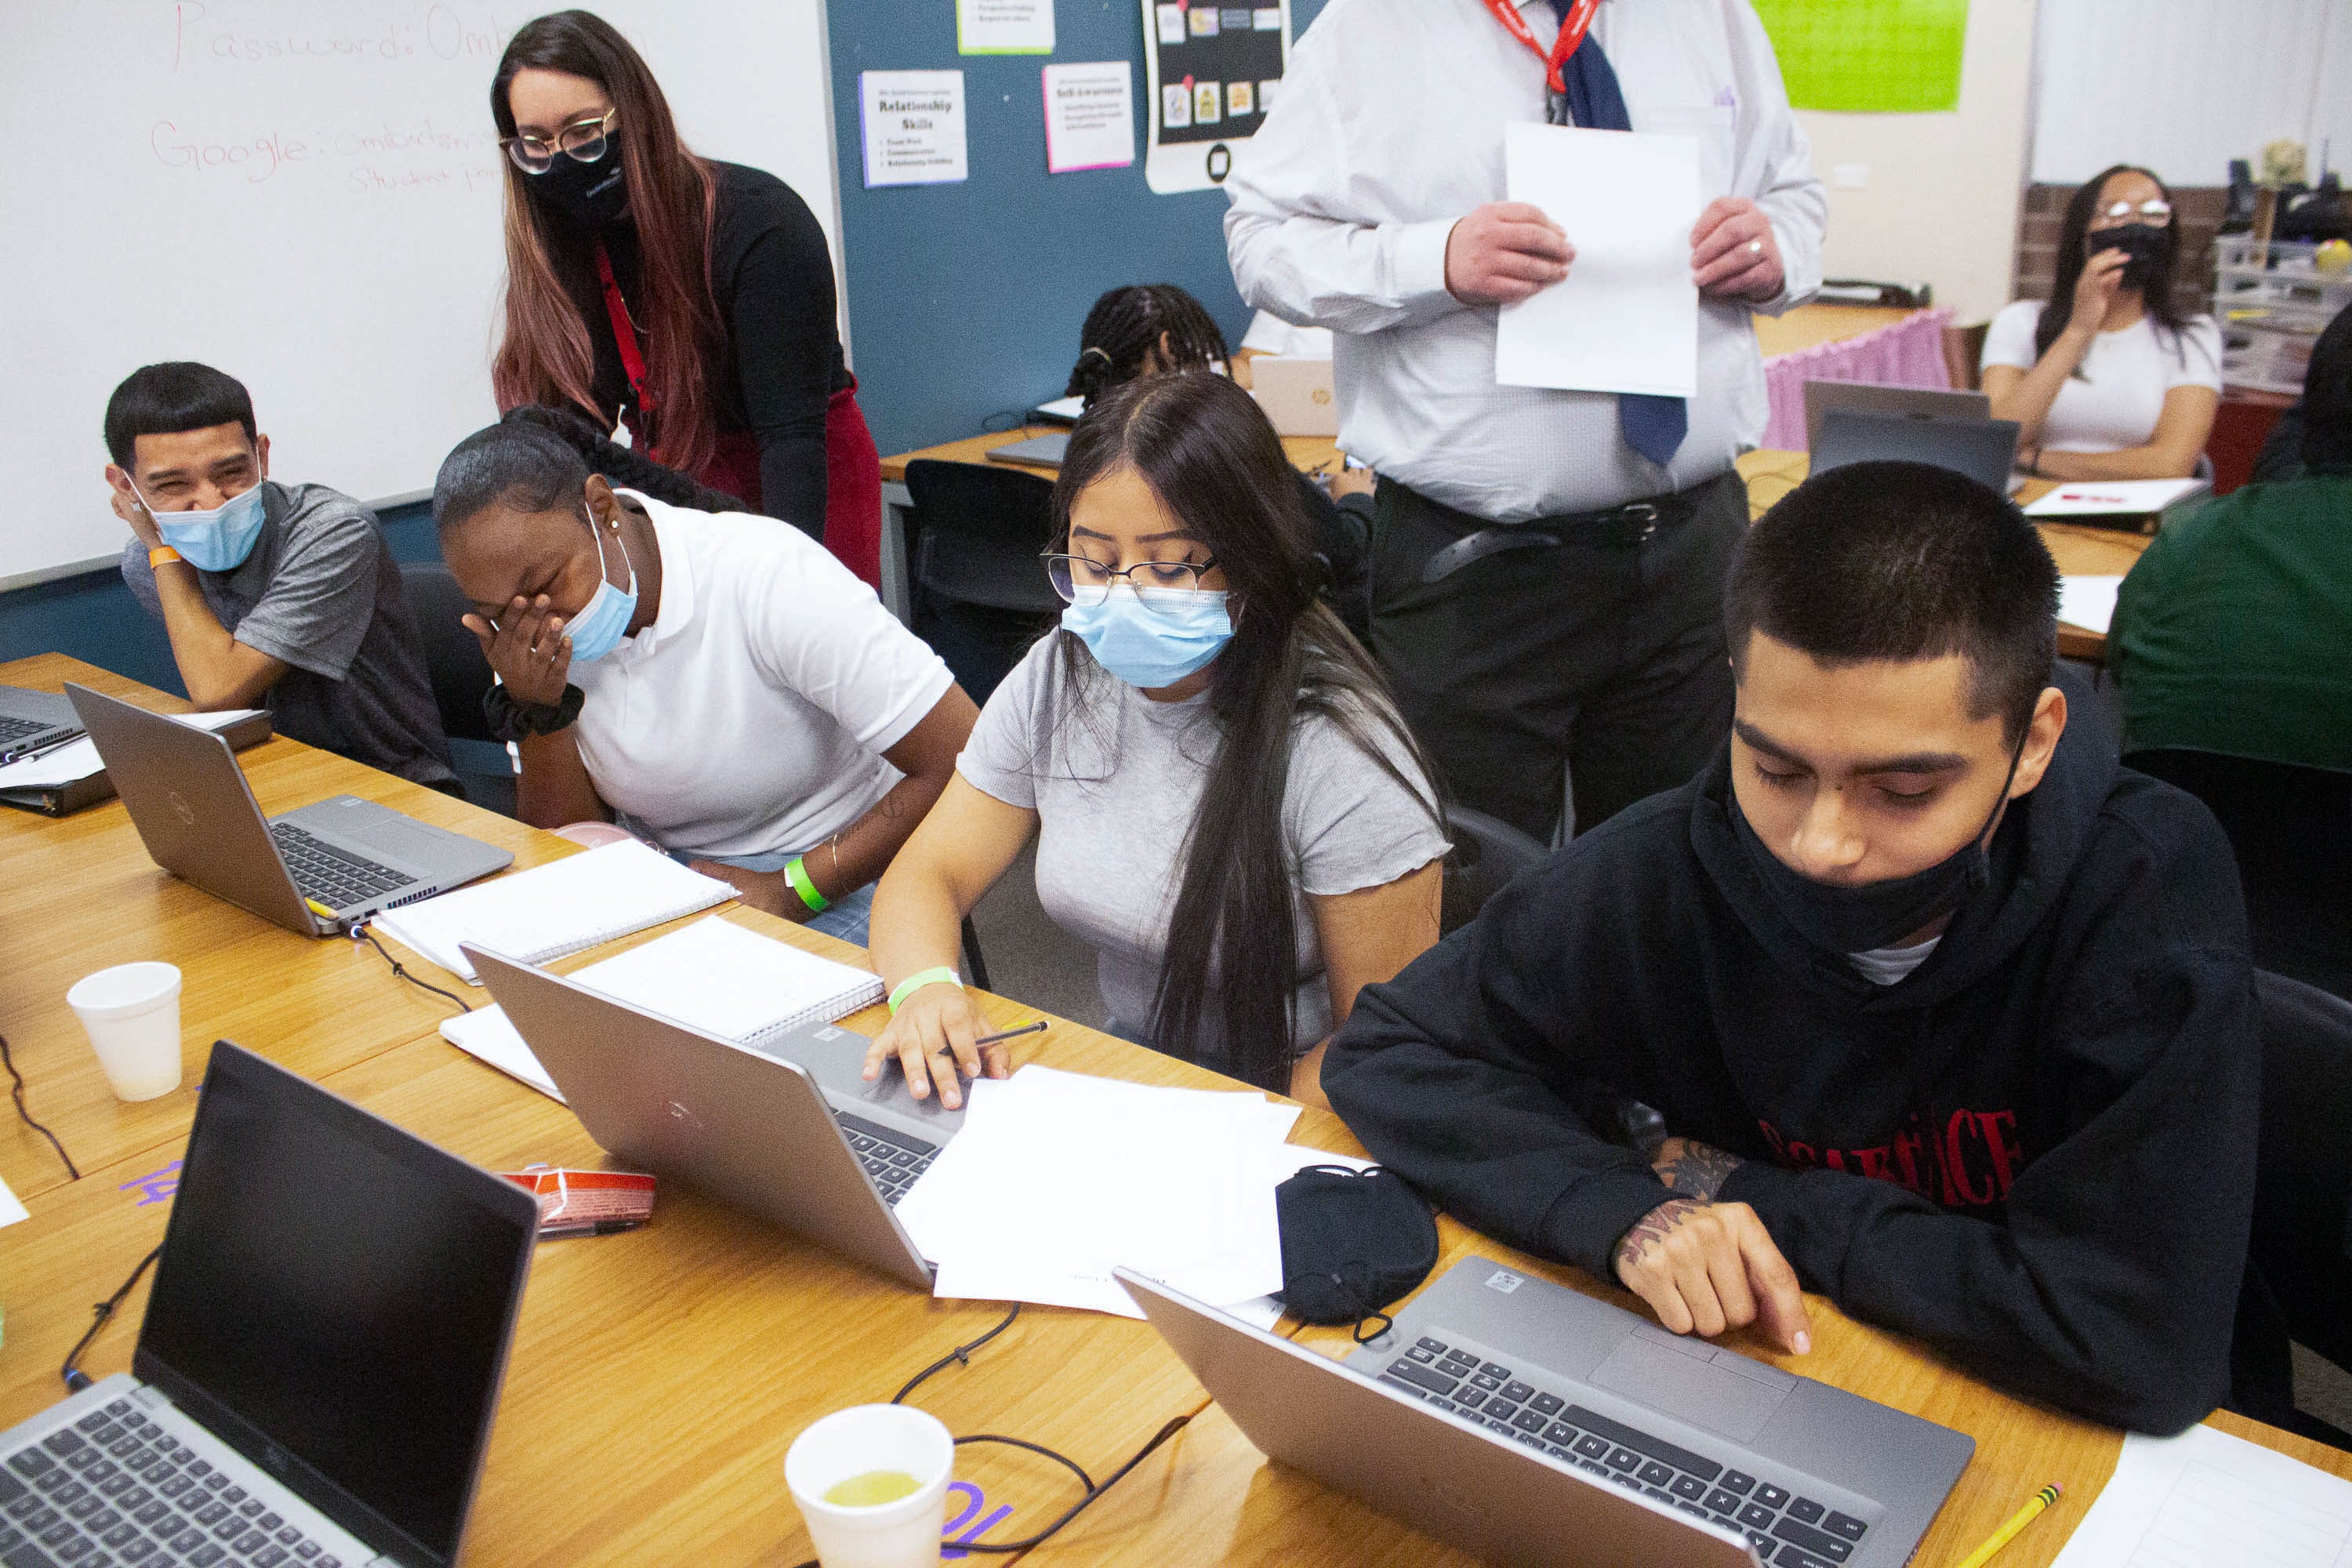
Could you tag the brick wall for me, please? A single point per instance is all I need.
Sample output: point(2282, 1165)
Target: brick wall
point(2197, 209)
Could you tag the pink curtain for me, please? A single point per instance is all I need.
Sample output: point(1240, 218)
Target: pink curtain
point(1909, 352)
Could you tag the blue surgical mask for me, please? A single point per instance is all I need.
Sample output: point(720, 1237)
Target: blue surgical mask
point(604, 620)
point(1151, 637)
point(214, 540)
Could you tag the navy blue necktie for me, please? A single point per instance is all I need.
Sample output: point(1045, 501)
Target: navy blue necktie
point(1654, 427)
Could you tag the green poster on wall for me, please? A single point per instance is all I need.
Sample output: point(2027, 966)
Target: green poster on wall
point(1869, 57)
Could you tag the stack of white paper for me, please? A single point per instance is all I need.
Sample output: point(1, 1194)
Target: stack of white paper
point(1057, 1178)
point(2088, 601)
point(2210, 1499)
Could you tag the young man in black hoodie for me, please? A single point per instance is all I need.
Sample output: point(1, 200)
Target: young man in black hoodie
point(1948, 1016)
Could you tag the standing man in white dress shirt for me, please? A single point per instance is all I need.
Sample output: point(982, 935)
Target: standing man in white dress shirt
point(1547, 566)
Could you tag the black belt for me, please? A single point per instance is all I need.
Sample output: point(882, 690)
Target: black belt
point(1612, 527)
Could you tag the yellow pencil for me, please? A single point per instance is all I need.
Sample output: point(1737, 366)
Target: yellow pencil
point(2018, 1521)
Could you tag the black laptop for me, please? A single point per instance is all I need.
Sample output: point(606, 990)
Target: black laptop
point(320, 1359)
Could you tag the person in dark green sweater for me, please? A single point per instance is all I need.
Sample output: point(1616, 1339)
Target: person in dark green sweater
point(2233, 632)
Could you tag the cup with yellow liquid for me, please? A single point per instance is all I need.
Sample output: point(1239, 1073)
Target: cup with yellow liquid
point(872, 1485)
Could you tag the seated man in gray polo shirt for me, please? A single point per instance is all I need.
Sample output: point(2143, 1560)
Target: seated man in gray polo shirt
point(283, 596)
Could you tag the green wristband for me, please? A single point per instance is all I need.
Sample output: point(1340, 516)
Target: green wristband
point(942, 975)
point(797, 875)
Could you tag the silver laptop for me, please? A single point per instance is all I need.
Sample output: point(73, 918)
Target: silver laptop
point(1914, 402)
point(33, 721)
point(1983, 449)
point(316, 870)
point(1524, 1421)
point(320, 1362)
point(1044, 451)
point(789, 1129)
point(1296, 394)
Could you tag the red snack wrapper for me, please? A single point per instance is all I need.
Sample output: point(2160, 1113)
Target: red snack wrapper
point(586, 1202)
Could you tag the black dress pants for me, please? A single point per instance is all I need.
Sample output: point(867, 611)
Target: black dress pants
point(1592, 650)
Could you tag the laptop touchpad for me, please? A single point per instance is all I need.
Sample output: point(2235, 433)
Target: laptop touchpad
point(1683, 1380)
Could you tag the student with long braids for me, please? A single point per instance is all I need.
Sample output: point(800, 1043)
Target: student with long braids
point(1206, 759)
point(1149, 329)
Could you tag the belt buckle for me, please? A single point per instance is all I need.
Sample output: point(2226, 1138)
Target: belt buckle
point(1642, 512)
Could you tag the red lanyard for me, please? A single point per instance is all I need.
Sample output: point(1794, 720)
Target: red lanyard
point(1571, 34)
point(624, 334)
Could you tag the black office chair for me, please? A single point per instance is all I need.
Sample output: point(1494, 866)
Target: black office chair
point(2302, 1247)
point(977, 592)
point(2291, 828)
point(460, 675)
point(1488, 853)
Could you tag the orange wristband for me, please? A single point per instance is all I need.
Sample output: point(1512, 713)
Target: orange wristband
point(163, 555)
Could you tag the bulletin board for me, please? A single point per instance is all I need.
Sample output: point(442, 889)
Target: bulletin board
point(1210, 73)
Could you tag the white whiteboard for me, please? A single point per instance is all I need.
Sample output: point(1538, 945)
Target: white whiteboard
point(306, 194)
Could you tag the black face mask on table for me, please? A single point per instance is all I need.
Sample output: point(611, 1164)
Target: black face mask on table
point(2144, 244)
point(591, 194)
point(1861, 919)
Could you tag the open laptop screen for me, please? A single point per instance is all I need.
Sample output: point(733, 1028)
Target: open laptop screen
point(334, 1300)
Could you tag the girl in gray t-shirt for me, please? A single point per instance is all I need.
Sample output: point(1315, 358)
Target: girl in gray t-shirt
point(1228, 809)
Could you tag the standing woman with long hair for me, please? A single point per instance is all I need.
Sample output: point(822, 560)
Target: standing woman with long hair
point(1227, 807)
point(691, 299)
point(2108, 380)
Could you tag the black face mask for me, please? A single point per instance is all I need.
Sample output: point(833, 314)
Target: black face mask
point(2145, 245)
point(1844, 921)
point(591, 194)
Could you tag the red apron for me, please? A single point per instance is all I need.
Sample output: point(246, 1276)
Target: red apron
point(853, 466)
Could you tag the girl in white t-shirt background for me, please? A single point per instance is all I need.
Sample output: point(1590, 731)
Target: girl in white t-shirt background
point(1228, 809)
point(2109, 380)
point(715, 682)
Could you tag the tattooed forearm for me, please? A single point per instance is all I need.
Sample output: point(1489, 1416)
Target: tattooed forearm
point(1693, 1169)
point(1653, 1228)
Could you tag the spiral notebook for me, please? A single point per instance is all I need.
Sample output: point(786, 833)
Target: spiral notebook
point(563, 907)
point(714, 977)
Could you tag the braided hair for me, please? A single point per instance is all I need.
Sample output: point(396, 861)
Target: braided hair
point(622, 466)
point(1129, 323)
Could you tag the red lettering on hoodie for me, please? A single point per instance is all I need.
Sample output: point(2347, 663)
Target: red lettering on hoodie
point(1970, 1163)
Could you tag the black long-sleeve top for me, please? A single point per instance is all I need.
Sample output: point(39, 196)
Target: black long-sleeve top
point(771, 272)
point(2036, 1152)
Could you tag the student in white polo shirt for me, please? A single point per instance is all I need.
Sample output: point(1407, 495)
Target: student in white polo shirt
point(718, 684)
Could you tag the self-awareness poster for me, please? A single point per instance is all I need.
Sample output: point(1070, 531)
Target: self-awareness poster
point(1210, 72)
point(1869, 57)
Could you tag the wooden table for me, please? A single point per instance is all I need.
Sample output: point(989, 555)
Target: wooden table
point(1307, 452)
point(1810, 326)
point(658, 1376)
point(2080, 551)
point(1210, 1497)
point(680, 1359)
point(81, 894)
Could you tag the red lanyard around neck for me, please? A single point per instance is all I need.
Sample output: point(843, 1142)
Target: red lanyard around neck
point(624, 333)
point(1571, 34)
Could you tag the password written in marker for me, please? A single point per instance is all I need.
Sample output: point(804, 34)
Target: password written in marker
point(157, 1186)
point(975, 1502)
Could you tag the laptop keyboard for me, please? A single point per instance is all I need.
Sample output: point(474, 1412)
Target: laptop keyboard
point(18, 729)
point(893, 1159)
point(114, 1488)
point(336, 878)
point(1787, 1531)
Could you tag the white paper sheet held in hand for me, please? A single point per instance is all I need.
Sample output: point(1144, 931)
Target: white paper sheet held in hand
point(1626, 316)
point(1058, 1177)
